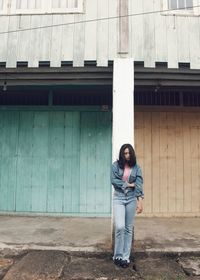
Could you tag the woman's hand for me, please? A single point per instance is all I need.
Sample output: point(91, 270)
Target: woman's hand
point(139, 208)
point(130, 185)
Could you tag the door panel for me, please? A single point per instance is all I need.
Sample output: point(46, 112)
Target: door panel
point(55, 162)
point(168, 150)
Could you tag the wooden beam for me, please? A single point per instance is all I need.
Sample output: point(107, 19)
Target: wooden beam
point(123, 27)
point(162, 76)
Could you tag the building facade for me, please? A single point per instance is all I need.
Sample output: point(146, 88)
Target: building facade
point(78, 78)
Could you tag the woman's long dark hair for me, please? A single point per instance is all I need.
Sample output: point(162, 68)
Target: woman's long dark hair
point(122, 161)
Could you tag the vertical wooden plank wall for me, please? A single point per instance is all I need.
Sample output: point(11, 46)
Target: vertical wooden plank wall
point(34, 41)
point(113, 29)
point(148, 160)
point(171, 163)
point(94, 190)
point(23, 174)
point(163, 38)
point(149, 34)
point(4, 23)
point(195, 154)
point(79, 40)
point(123, 27)
point(172, 42)
point(56, 42)
point(8, 159)
point(102, 29)
point(2, 4)
point(90, 47)
point(137, 30)
point(67, 38)
point(187, 174)
point(155, 165)
point(168, 149)
point(12, 42)
point(72, 162)
point(45, 38)
point(139, 136)
point(55, 162)
point(179, 163)
point(194, 45)
point(160, 34)
point(24, 39)
point(39, 175)
point(163, 188)
point(183, 29)
point(153, 37)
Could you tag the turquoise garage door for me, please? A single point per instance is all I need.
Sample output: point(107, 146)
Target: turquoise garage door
point(55, 162)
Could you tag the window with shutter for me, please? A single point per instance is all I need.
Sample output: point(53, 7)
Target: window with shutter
point(16, 7)
point(180, 4)
point(181, 7)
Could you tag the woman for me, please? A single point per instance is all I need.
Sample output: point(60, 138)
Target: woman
point(126, 178)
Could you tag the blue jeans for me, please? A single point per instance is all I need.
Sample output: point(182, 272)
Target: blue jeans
point(124, 207)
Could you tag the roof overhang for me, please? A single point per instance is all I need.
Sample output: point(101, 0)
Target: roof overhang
point(92, 75)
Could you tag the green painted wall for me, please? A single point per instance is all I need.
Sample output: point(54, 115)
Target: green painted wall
point(55, 162)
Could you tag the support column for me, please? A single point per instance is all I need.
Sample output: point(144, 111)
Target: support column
point(123, 104)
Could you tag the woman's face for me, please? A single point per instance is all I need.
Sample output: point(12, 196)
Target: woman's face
point(126, 154)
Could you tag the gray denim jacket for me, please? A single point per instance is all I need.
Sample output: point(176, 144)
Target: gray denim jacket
point(135, 177)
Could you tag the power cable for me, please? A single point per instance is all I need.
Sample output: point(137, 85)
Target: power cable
point(94, 20)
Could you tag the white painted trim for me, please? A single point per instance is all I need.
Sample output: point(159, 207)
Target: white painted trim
point(9, 9)
point(123, 104)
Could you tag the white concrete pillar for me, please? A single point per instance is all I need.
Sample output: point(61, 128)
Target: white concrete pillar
point(123, 104)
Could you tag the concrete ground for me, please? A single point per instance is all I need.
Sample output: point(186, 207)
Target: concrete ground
point(57, 248)
point(58, 265)
point(94, 234)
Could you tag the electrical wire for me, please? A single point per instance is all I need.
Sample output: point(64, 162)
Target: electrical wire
point(94, 20)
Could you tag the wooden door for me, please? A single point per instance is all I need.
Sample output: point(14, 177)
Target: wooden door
point(168, 149)
point(55, 162)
